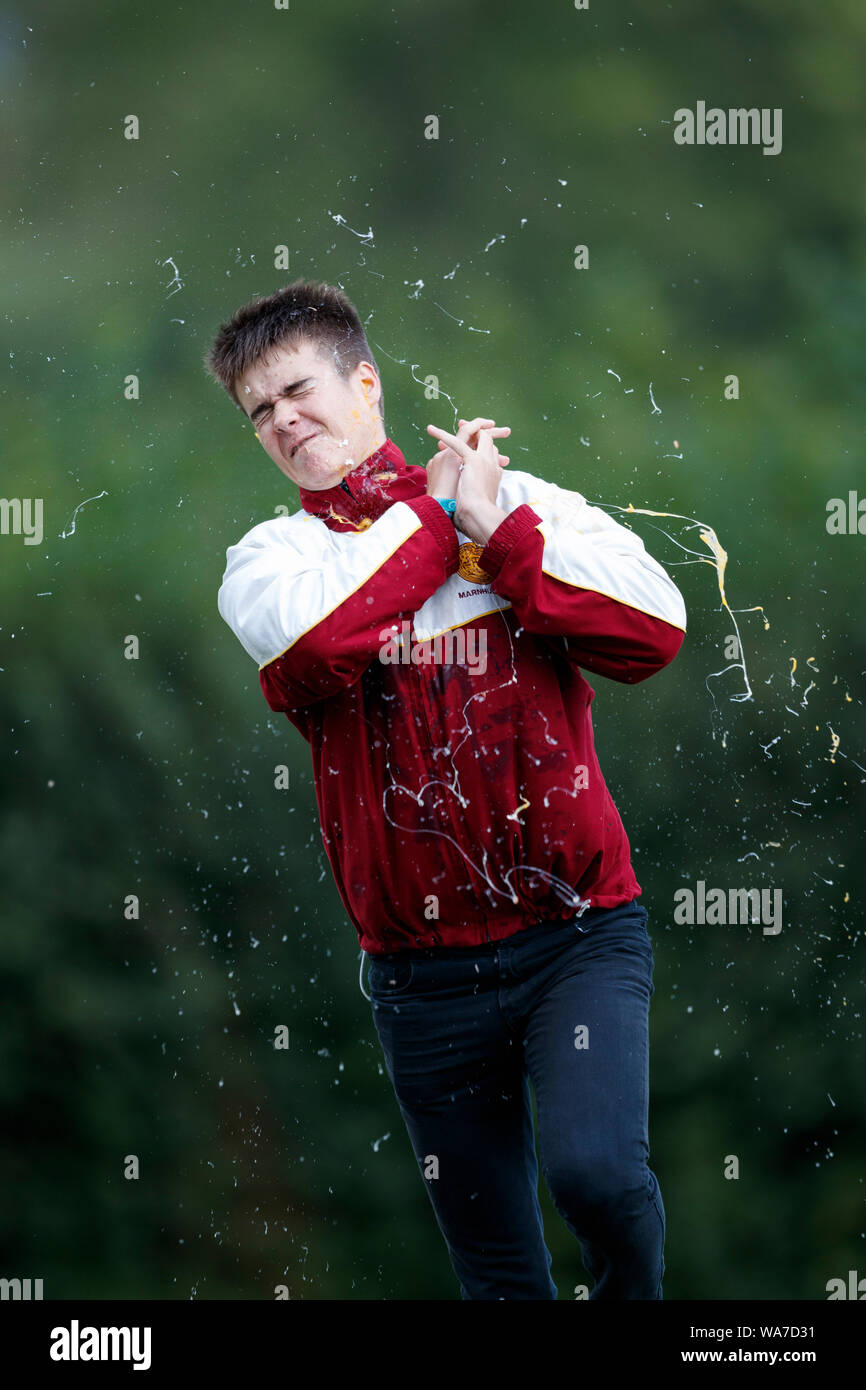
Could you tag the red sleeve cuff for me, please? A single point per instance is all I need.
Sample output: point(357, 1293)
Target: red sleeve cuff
point(506, 535)
point(440, 523)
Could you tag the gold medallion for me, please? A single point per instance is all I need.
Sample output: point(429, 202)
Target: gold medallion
point(468, 566)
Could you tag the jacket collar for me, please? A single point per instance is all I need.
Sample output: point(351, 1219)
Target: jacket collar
point(382, 478)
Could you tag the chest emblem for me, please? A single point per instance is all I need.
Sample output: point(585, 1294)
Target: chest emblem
point(468, 566)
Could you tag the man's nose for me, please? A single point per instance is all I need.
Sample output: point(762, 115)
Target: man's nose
point(286, 414)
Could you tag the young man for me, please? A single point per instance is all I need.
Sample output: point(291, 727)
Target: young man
point(473, 841)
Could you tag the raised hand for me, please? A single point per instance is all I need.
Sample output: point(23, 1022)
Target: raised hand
point(477, 514)
point(443, 470)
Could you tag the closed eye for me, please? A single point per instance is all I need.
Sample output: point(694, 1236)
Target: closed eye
point(265, 410)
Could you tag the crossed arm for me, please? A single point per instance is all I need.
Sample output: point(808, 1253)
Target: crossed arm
point(310, 604)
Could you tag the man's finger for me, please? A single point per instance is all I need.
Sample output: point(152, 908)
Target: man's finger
point(456, 441)
point(458, 445)
point(470, 427)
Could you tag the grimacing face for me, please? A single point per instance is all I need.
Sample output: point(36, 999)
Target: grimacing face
point(314, 424)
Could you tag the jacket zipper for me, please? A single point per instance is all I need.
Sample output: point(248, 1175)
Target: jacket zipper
point(463, 864)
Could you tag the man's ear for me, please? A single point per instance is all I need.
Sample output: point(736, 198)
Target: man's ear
point(370, 383)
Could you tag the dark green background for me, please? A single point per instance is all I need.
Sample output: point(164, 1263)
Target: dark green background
point(155, 777)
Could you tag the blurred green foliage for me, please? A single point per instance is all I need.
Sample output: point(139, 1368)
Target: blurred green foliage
point(155, 777)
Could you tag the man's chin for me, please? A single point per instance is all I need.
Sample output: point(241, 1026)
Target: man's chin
point(319, 480)
point(327, 474)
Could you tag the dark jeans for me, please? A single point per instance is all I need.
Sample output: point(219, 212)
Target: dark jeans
point(464, 1030)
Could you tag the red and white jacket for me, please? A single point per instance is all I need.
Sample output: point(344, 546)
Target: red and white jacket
point(459, 801)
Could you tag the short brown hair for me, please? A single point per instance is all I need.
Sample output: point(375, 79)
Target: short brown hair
point(305, 310)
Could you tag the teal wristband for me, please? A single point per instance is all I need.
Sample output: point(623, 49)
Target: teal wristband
point(449, 503)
